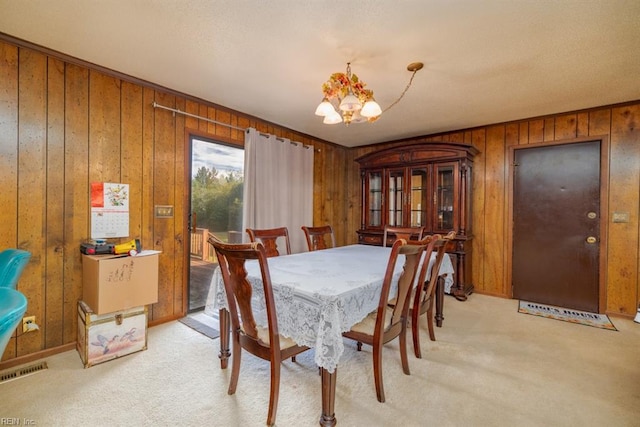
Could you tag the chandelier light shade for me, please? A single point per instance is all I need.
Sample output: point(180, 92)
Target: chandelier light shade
point(350, 103)
point(371, 109)
point(355, 103)
point(332, 118)
point(325, 108)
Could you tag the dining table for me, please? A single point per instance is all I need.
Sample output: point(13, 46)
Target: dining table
point(318, 296)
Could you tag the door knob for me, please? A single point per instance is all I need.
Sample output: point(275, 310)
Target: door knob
point(591, 215)
point(591, 239)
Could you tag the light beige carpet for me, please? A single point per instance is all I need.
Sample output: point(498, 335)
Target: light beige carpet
point(490, 367)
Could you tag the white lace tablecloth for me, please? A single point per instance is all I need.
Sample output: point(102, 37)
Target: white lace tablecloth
point(320, 294)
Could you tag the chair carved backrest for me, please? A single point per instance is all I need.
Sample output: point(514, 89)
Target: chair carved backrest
point(232, 258)
point(269, 238)
point(321, 237)
point(439, 246)
point(425, 288)
point(413, 251)
point(436, 245)
point(12, 263)
point(406, 233)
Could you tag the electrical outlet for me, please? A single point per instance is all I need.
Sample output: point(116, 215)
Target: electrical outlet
point(26, 321)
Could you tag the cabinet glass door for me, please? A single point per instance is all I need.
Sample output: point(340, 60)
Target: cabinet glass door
point(419, 197)
point(375, 199)
point(395, 203)
point(445, 197)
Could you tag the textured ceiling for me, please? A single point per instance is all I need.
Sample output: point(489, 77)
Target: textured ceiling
point(485, 61)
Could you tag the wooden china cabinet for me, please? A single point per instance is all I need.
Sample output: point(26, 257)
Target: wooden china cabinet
point(425, 184)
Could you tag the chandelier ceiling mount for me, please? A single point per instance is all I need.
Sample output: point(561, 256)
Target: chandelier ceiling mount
point(355, 103)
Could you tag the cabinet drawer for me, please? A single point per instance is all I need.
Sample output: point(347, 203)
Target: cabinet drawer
point(369, 240)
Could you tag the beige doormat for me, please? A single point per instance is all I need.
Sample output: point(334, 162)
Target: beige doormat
point(601, 321)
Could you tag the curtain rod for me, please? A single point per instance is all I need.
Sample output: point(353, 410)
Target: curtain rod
point(174, 110)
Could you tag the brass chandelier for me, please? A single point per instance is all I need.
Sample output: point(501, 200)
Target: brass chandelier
point(355, 103)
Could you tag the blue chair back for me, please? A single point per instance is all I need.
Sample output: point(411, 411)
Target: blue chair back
point(13, 305)
point(12, 262)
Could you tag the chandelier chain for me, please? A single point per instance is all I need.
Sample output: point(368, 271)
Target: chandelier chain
point(349, 76)
point(403, 92)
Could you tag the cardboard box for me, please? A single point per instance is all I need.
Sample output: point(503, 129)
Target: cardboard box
point(117, 282)
point(109, 336)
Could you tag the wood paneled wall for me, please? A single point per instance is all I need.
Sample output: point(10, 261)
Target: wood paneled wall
point(620, 124)
point(63, 125)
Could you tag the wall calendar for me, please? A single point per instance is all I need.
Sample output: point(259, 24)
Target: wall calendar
point(109, 210)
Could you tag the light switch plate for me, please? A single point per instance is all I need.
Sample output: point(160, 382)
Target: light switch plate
point(620, 217)
point(163, 211)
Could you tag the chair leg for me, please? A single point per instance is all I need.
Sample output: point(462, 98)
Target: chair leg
point(415, 331)
point(377, 371)
point(235, 364)
point(432, 334)
point(403, 349)
point(275, 391)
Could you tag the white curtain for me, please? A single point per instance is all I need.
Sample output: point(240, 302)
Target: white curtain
point(278, 185)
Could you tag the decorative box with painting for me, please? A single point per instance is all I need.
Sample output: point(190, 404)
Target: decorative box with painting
point(103, 337)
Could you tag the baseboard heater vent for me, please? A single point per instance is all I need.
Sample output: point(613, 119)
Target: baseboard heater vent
point(22, 372)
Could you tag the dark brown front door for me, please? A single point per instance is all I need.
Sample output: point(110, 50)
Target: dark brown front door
point(556, 223)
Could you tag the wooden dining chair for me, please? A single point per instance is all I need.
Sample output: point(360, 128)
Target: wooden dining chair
point(407, 233)
point(263, 342)
point(319, 237)
point(424, 295)
point(387, 323)
point(269, 238)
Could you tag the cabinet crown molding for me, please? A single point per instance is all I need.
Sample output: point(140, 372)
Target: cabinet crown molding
point(417, 152)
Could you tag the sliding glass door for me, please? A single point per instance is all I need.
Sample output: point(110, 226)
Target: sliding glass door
point(217, 175)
